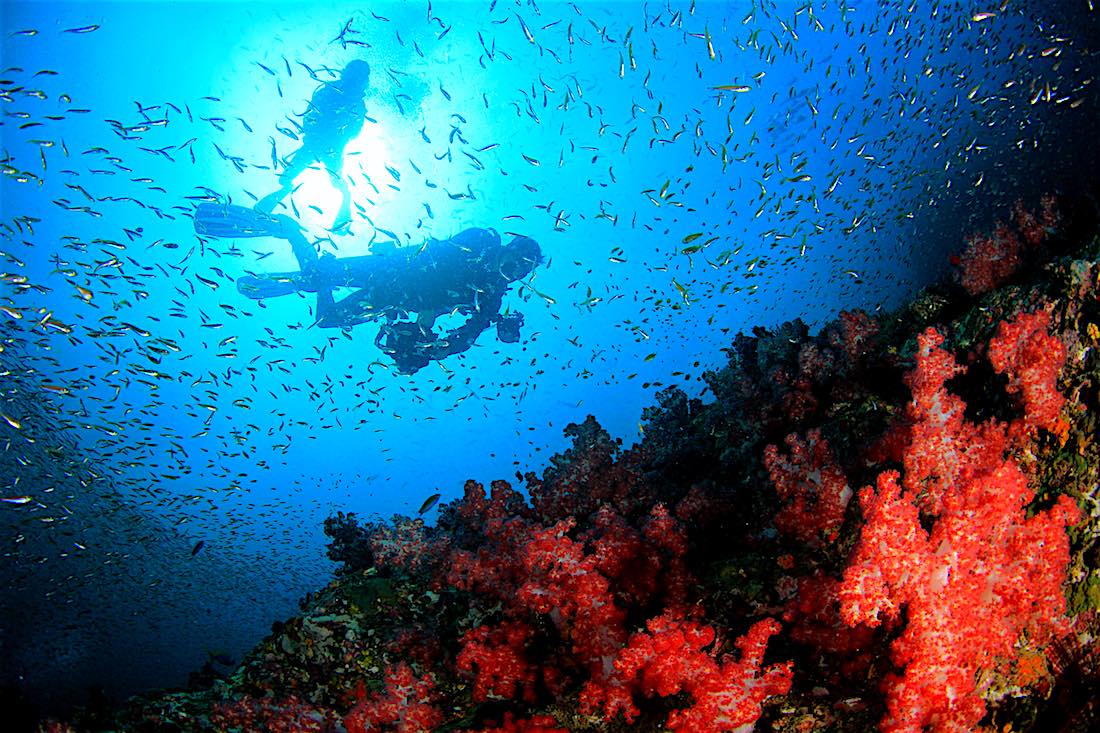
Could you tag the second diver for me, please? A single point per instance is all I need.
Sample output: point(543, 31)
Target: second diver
point(333, 119)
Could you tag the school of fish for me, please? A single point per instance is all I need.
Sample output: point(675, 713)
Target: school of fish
point(690, 170)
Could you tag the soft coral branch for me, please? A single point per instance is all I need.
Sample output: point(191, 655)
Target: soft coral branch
point(671, 658)
point(405, 705)
point(811, 486)
point(1032, 359)
point(982, 576)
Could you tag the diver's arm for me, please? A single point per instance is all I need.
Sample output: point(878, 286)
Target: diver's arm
point(489, 308)
point(460, 339)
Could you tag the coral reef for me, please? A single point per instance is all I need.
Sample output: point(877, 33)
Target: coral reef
point(716, 576)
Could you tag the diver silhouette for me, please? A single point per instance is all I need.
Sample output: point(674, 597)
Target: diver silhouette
point(467, 274)
point(333, 119)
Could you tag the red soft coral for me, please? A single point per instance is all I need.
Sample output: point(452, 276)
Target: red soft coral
point(565, 583)
point(945, 449)
point(990, 260)
point(645, 567)
point(593, 472)
point(982, 576)
point(670, 659)
point(537, 724)
point(813, 615)
point(495, 658)
point(667, 542)
point(289, 715)
point(405, 546)
point(853, 334)
point(404, 706)
point(811, 486)
point(496, 568)
point(890, 545)
point(1032, 359)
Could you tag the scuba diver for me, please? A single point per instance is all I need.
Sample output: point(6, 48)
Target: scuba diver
point(467, 274)
point(333, 119)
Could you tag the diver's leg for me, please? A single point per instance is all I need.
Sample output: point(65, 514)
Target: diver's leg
point(237, 221)
point(304, 252)
point(230, 220)
point(298, 163)
point(326, 314)
point(350, 311)
point(250, 223)
point(310, 278)
point(334, 164)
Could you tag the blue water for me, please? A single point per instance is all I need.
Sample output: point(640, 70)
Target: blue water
point(854, 147)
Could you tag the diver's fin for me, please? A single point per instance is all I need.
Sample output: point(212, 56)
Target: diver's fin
point(230, 220)
point(270, 285)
